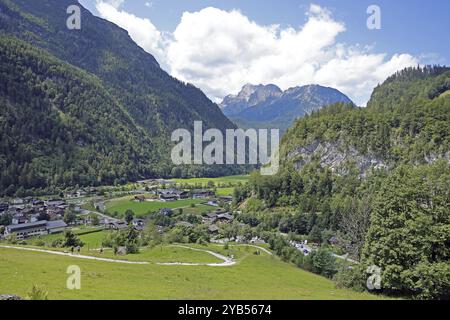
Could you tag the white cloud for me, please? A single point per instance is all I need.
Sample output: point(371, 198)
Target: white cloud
point(220, 51)
point(115, 3)
point(141, 30)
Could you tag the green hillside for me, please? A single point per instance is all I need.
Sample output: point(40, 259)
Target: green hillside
point(87, 107)
point(254, 277)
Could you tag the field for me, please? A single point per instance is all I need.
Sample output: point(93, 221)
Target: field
point(204, 181)
point(121, 205)
point(253, 277)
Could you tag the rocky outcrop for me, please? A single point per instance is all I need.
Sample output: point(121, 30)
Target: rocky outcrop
point(337, 156)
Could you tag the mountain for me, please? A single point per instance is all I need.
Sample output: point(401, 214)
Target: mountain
point(406, 121)
point(89, 106)
point(267, 106)
point(249, 96)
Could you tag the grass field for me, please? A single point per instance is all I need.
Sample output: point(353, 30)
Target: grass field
point(90, 240)
point(142, 208)
point(204, 181)
point(254, 277)
point(224, 191)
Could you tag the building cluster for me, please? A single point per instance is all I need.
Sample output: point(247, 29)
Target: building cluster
point(31, 217)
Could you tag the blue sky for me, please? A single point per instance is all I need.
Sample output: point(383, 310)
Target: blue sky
point(412, 31)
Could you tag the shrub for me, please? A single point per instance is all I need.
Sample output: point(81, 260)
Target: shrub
point(37, 293)
point(350, 277)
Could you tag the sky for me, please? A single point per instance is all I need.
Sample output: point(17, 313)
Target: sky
point(221, 45)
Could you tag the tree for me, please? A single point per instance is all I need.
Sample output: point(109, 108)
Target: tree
point(354, 224)
point(132, 240)
point(129, 216)
point(409, 236)
point(71, 240)
point(70, 216)
point(315, 235)
point(95, 220)
point(323, 263)
point(6, 219)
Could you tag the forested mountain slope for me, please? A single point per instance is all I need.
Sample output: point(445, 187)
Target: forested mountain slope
point(87, 106)
point(406, 121)
point(60, 126)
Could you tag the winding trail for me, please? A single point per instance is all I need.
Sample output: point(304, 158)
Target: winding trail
point(227, 262)
point(74, 255)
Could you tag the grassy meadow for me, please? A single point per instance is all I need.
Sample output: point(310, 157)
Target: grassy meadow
point(204, 181)
point(121, 205)
point(253, 277)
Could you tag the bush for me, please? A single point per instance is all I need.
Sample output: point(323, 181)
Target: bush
point(39, 243)
point(323, 263)
point(351, 278)
point(37, 293)
point(57, 243)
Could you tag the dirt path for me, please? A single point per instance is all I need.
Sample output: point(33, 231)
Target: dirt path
point(227, 262)
point(74, 255)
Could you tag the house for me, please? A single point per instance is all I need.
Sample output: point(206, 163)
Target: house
point(38, 203)
point(34, 217)
point(210, 217)
point(139, 198)
point(333, 241)
point(26, 230)
point(202, 193)
point(138, 224)
point(18, 202)
point(172, 194)
point(70, 195)
point(19, 218)
point(118, 225)
point(56, 226)
point(4, 207)
point(212, 203)
point(226, 199)
point(54, 203)
point(166, 212)
point(225, 218)
point(213, 229)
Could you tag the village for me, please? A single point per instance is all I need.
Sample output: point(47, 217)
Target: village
point(28, 217)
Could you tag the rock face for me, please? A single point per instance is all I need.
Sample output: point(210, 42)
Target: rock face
point(269, 107)
point(336, 155)
point(248, 97)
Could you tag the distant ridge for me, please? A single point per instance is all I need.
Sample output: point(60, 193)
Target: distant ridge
point(267, 106)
